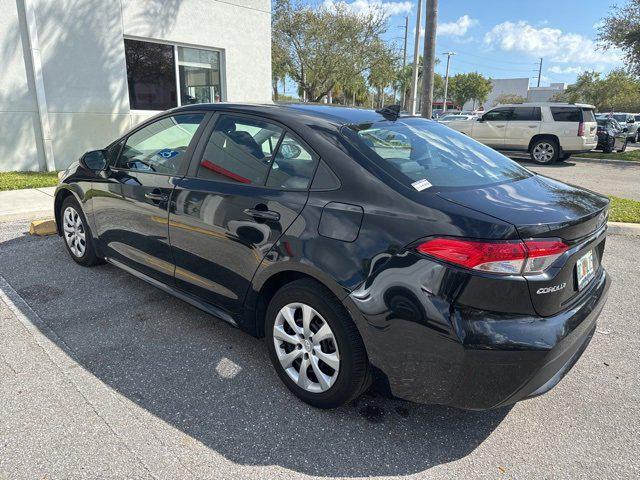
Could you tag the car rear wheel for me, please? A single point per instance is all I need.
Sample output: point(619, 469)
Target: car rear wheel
point(624, 147)
point(544, 151)
point(76, 234)
point(608, 147)
point(314, 345)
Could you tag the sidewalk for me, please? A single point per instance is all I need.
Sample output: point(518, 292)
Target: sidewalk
point(31, 202)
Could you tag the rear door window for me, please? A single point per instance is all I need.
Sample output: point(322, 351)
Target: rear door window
point(239, 150)
point(526, 114)
point(293, 165)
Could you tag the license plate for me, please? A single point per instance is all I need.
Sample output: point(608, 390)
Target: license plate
point(584, 269)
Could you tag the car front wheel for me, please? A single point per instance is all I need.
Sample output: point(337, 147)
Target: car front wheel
point(76, 234)
point(314, 345)
point(544, 151)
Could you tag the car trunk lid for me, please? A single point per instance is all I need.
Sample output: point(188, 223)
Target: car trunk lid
point(540, 207)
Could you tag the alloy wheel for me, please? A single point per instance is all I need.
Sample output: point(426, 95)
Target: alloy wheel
point(74, 232)
point(306, 347)
point(543, 152)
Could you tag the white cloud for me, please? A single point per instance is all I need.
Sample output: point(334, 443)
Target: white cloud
point(458, 28)
point(551, 43)
point(365, 6)
point(566, 70)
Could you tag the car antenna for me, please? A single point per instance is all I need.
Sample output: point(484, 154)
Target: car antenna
point(392, 112)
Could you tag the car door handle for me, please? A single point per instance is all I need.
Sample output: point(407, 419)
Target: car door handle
point(532, 126)
point(262, 214)
point(155, 197)
point(499, 126)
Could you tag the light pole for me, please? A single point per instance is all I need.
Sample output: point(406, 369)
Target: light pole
point(404, 55)
point(414, 77)
point(446, 81)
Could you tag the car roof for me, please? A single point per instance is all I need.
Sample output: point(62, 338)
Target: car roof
point(333, 114)
point(546, 104)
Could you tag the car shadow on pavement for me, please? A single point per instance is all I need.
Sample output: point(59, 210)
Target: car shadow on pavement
point(215, 383)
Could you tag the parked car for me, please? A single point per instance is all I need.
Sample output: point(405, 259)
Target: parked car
point(611, 135)
point(456, 117)
point(628, 120)
point(364, 246)
point(548, 131)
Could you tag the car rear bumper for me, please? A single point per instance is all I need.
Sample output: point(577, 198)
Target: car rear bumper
point(578, 144)
point(475, 359)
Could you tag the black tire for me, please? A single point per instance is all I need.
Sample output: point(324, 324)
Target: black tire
point(565, 156)
point(550, 146)
point(608, 147)
point(353, 374)
point(88, 257)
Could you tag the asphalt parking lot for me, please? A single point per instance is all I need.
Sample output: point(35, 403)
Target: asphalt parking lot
point(102, 375)
point(621, 179)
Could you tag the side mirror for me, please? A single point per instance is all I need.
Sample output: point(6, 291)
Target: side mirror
point(625, 129)
point(95, 160)
point(631, 120)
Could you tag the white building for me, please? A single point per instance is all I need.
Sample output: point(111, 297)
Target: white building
point(77, 74)
point(502, 86)
point(544, 94)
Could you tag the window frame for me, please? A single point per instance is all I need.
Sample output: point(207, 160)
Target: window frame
point(535, 111)
point(507, 110)
point(187, 154)
point(199, 149)
point(175, 45)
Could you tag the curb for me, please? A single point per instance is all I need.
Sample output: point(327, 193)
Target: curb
point(611, 161)
point(42, 228)
point(619, 228)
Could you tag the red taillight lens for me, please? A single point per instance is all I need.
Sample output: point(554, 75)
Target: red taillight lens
point(508, 257)
point(581, 129)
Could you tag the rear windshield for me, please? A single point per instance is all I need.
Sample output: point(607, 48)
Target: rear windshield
point(572, 114)
point(425, 154)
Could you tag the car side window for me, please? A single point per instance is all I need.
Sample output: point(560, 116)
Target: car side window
point(240, 149)
point(498, 114)
point(526, 114)
point(160, 147)
point(566, 114)
point(293, 165)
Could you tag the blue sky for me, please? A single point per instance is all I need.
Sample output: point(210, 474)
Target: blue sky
point(506, 38)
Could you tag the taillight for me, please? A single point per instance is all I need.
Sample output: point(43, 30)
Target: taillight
point(506, 257)
point(581, 129)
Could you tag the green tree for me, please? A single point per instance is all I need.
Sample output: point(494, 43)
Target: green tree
point(326, 45)
point(618, 91)
point(464, 87)
point(621, 29)
point(278, 67)
point(383, 70)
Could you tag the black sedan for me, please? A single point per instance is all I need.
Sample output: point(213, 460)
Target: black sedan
point(611, 136)
point(366, 247)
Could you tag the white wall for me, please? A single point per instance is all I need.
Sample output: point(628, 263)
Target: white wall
point(19, 121)
point(84, 70)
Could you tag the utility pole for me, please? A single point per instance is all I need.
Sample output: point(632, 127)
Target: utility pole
point(429, 58)
point(446, 81)
point(404, 55)
point(539, 71)
point(414, 77)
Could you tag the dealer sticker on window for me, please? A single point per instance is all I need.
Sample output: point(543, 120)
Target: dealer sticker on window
point(421, 184)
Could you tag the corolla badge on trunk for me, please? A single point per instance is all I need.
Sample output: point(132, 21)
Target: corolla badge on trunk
point(555, 288)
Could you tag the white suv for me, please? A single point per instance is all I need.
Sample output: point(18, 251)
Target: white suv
point(548, 131)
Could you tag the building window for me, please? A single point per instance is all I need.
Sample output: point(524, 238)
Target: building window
point(156, 84)
point(199, 75)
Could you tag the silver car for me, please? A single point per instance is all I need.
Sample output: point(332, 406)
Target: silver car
point(628, 120)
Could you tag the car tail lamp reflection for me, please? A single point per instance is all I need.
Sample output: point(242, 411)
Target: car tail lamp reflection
point(505, 257)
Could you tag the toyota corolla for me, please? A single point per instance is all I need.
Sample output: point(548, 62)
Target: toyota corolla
point(365, 247)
